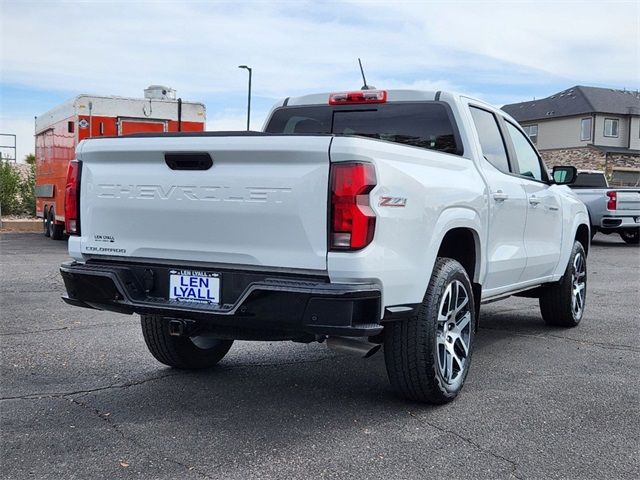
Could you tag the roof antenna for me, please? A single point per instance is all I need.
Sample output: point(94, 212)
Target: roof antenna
point(365, 86)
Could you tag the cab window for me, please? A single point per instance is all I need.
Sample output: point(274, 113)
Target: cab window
point(427, 125)
point(527, 159)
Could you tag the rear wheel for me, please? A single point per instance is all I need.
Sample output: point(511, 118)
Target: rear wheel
point(632, 237)
point(55, 230)
point(45, 223)
point(562, 303)
point(181, 352)
point(428, 356)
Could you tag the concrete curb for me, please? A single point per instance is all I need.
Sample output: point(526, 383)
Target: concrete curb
point(21, 226)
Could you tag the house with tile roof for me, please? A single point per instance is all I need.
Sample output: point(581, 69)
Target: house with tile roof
point(589, 127)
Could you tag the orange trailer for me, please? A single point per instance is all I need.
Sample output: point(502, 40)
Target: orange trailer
point(59, 131)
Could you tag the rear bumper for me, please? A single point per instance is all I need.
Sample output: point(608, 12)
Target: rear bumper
point(256, 304)
point(620, 221)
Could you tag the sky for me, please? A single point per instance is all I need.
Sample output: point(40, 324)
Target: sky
point(499, 51)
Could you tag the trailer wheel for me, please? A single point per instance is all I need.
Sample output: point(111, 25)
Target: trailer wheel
point(55, 230)
point(45, 223)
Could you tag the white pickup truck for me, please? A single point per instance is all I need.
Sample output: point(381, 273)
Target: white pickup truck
point(360, 219)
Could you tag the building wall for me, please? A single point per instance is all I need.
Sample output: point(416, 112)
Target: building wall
point(635, 133)
point(583, 158)
point(559, 133)
point(623, 132)
point(590, 158)
point(565, 132)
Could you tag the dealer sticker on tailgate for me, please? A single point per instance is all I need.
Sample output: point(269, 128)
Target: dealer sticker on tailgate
point(194, 286)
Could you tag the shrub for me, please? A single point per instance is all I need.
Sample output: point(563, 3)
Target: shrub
point(17, 190)
point(9, 188)
point(28, 188)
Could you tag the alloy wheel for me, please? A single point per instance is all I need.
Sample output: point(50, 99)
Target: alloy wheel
point(578, 285)
point(453, 335)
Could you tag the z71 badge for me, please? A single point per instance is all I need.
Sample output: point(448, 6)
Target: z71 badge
point(392, 202)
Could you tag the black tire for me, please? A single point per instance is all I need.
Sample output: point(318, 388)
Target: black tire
point(413, 347)
point(55, 231)
point(557, 299)
point(632, 237)
point(45, 223)
point(180, 352)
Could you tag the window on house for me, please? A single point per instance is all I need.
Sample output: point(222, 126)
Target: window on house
point(610, 127)
point(70, 126)
point(585, 129)
point(532, 132)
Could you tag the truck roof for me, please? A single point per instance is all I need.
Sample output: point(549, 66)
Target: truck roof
point(116, 106)
point(393, 95)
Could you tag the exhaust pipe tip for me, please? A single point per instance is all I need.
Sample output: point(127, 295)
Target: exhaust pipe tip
point(353, 345)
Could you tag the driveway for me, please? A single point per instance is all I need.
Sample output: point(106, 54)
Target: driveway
point(82, 398)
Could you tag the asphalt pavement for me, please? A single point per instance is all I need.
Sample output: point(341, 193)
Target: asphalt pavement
point(82, 398)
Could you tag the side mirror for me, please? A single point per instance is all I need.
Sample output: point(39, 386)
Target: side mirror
point(564, 175)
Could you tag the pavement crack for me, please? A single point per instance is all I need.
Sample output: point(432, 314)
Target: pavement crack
point(606, 346)
point(38, 396)
point(33, 331)
point(145, 450)
point(80, 327)
point(513, 464)
point(41, 395)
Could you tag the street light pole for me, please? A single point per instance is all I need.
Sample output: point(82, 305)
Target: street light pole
point(249, 97)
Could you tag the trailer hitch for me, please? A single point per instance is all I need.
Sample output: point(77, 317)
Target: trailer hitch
point(179, 327)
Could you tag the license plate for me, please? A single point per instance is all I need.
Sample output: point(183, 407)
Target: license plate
point(194, 286)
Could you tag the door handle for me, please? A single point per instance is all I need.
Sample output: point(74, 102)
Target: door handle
point(500, 196)
point(533, 200)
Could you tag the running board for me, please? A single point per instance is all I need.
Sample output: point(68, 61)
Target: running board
point(502, 296)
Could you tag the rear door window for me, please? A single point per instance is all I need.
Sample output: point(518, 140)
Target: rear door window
point(427, 125)
point(491, 140)
point(529, 164)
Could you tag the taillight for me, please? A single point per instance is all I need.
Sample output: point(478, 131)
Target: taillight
point(613, 200)
point(359, 96)
point(72, 198)
point(352, 219)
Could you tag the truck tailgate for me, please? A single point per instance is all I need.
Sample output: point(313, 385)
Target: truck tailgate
point(263, 202)
point(628, 200)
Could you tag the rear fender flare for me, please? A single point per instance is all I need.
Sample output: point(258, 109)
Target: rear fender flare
point(458, 217)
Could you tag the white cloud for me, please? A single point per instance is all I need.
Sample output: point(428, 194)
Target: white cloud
point(118, 47)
